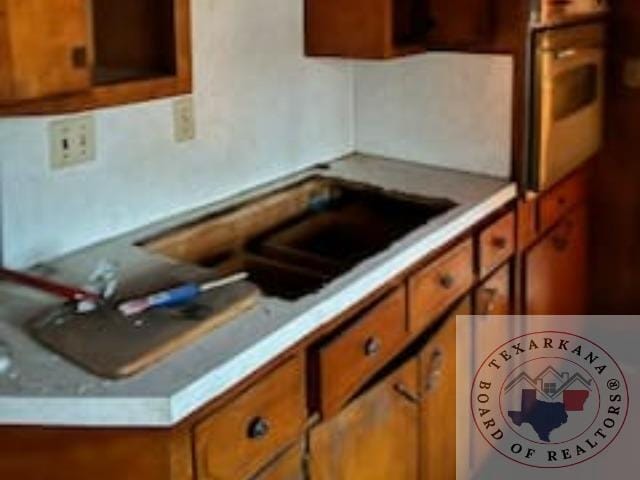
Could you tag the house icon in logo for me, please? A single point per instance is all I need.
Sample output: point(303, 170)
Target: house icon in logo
point(550, 383)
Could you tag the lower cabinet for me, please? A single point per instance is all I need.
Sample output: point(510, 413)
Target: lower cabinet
point(288, 466)
point(556, 269)
point(437, 362)
point(375, 437)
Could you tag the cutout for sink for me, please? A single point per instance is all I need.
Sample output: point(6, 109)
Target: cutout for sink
point(295, 240)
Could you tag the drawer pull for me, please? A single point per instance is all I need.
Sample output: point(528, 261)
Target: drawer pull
point(435, 369)
point(258, 428)
point(490, 294)
point(404, 392)
point(447, 281)
point(372, 346)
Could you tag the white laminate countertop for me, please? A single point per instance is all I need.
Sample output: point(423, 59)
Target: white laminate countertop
point(41, 388)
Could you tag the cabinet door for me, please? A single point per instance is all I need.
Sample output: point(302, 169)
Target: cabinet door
point(438, 406)
point(556, 270)
point(373, 438)
point(45, 48)
point(286, 467)
point(493, 297)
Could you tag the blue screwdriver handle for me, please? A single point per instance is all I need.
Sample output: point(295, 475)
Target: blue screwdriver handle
point(175, 296)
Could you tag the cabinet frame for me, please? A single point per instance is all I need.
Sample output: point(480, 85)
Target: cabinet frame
point(125, 92)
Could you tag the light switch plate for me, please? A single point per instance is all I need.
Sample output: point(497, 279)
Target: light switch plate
point(632, 72)
point(184, 122)
point(72, 141)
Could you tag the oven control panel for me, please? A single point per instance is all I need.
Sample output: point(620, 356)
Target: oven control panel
point(558, 11)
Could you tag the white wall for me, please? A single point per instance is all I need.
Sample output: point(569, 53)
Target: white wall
point(263, 110)
point(450, 110)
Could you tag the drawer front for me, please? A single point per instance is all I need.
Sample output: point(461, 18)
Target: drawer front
point(244, 435)
point(497, 243)
point(557, 203)
point(493, 297)
point(350, 359)
point(433, 289)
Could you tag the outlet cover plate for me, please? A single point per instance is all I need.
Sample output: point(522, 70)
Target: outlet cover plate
point(184, 122)
point(72, 141)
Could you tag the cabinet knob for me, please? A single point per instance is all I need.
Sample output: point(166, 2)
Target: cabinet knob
point(372, 346)
point(258, 428)
point(499, 242)
point(447, 281)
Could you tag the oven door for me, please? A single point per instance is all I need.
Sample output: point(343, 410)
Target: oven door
point(569, 102)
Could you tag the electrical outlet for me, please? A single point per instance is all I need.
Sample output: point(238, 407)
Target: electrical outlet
point(72, 141)
point(184, 122)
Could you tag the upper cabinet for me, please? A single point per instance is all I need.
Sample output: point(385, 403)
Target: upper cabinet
point(61, 56)
point(379, 29)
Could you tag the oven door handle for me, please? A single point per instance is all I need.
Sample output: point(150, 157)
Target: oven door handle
point(565, 53)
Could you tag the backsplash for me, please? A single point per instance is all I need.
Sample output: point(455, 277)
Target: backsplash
point(441, 109)
point(263, 111)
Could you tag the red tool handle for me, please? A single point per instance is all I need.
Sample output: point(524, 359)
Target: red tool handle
point(65, 291)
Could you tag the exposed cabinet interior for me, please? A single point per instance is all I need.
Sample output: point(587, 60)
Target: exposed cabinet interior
point(133, 40)
point(379, 29)
point(295, 240)
point(63, 56)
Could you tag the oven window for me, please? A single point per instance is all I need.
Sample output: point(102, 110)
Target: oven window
point(574, 90)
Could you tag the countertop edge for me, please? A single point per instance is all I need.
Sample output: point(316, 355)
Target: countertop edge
point(131, 412)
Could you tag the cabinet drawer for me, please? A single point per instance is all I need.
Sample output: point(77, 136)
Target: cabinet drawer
point(438, 285)
point(493, 297)
point(350, 359)
point(562, 198)
point(497, 243)
point(246, 433)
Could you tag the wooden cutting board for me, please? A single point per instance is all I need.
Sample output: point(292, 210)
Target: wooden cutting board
point(114, 346)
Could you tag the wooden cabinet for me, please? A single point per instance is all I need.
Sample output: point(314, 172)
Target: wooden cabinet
point(371, 397)
point(438, 401)
point(556, 269)
point(436, 287)
point(494, 295)
point(44, 48)
point(347, 361)
point(70, 55)
point(373, 438)
point(245, 434)
point(391, 28)
point(497, 243)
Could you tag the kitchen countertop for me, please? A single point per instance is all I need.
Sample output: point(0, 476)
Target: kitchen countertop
point(42, 388)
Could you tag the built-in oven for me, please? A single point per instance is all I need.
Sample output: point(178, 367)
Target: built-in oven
point(568, 98)
point(550, 12)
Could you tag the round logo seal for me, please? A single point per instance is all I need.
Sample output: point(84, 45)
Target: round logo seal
point(549, 399)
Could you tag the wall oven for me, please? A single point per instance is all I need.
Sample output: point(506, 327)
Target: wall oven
point(568, 92)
